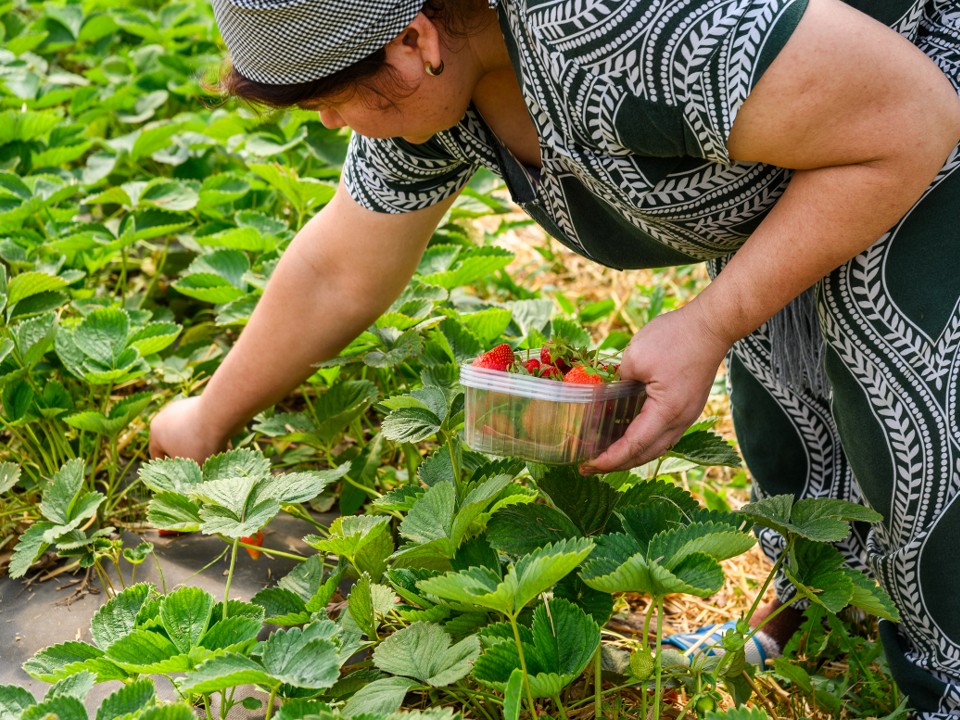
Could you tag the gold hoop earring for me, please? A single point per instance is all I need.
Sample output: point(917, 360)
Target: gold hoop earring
point(433, 71)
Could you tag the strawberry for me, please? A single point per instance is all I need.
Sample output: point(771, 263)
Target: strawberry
point(255, 539)
point(532, 366)
point(547, 357)
point(583, 375)
point(499, 358)
point(551, 371)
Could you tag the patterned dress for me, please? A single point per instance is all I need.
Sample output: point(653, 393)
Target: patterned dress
point(633, 102)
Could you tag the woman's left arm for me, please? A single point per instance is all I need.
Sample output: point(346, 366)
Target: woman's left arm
point(866, 120)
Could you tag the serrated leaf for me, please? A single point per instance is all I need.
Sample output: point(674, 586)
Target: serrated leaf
point(185, 614)
point(525, 580)
point(32, 283)
point(226, 671)
point(360, 606)
point(587, 501)
point(57, 661)
point(425, 651)
point(9, 475)
point(153, 337)
point(704, 447)
point(29, 548)
point(147, 652)
point(411, 425)
point(521, 529)
point(118, 616)
point(300, 487)
point(282, 606)
point(173, 511)
point(818, 519)
point(380, 697)
point(562, 641)
point(819, 575)
point(13, 701)
point(295, 659)
point(241, 462)
point(128, 699)
point(870, 597)
point(63, 490)
point(102, 336)
point(180, 475)
point(232, 633)
point(63, 707)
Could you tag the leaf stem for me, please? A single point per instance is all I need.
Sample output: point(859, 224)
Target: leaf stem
point(598, 684)
point(658, 661)
point(226, 587)
point(523, 665)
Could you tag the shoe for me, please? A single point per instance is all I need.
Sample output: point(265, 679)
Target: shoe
point(759, 648)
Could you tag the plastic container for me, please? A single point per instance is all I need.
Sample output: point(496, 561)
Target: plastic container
point(545, 421)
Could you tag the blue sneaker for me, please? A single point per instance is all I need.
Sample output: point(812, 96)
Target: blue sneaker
point(759, 648)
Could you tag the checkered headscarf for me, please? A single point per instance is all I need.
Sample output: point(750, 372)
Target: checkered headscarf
point(282, 42)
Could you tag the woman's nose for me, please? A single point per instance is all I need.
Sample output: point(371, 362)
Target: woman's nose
point(331, 119)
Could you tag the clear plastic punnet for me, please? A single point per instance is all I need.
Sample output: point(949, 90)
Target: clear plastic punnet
point(542, 420)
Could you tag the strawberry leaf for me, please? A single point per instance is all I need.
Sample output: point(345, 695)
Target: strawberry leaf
point(425, 651)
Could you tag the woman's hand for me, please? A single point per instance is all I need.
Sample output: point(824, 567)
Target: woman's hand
point(676, 355)
point(181, 429)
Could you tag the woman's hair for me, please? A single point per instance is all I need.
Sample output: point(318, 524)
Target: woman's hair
point(372, 74)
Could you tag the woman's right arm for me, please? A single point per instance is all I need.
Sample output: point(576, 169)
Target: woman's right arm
point(342, 271)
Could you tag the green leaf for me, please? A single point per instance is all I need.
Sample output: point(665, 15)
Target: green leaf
point(128, 699)
point(410, 425)
point(153, 337)
point(58, 661)
point(173, 511)
point(282, 606)
point(425, 651)
point(9, 475)
point(185, 614)
point(299, 487)
point(294, 658)
point(819, 575)
point(471, 265)
point(180, 475)
point(32, 283)
point(13, 701)
point(360, 606)
point(870, 597)
point(531, 575)
point(521, 529)
point(587, 501)
point(379, 697)
point(234, 633)
point(62, 492)
point(513, 695)
point(102, 335)
point(242, 462)
point(178, 711)
point(172, 195)
point(29, 548)
point(819, 519)
point(704, 447)
point(117, 617)
point(226, 671)
point(63, 707)
point(341, 404)
point(564, 639)
point(75, 686)
point(147, 652)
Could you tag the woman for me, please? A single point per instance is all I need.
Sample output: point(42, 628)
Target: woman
point(792, 144)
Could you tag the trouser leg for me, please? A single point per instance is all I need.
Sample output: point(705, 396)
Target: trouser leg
point(789, 441)
point(891, 319)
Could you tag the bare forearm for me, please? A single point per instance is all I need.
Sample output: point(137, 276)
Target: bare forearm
point(340, 273)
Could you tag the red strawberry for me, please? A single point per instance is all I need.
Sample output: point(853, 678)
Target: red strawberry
point(547, 356)
point(499, 358)
point(170, 533)
point(532, 366)
point(549, 371)
point(583, 375)
point(255, 539)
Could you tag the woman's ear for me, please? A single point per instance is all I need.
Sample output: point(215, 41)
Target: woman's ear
point(422, 36)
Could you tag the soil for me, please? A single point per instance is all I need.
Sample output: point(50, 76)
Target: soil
point(36, 613)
